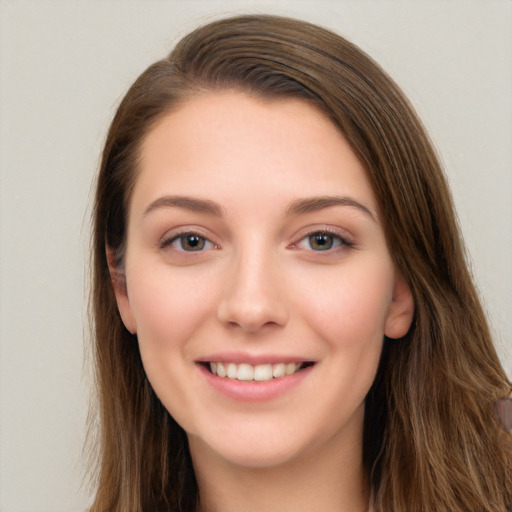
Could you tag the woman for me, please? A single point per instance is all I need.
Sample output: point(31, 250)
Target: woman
point(284, 316)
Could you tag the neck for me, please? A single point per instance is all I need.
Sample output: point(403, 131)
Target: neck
point(330, 481)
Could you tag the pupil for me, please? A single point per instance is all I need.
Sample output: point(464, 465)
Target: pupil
point(321, 241)
point(193, 242)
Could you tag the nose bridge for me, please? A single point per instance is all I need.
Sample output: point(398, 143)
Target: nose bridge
point(252, 297)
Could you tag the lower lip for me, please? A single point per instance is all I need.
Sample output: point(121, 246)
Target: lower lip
point(254, 391)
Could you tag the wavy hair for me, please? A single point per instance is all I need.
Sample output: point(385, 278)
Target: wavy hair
point(430, 438)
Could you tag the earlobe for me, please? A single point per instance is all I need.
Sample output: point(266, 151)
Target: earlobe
point(401, 310)
point(118, 279)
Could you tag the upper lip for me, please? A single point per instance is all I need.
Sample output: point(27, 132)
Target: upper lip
point(252, 359)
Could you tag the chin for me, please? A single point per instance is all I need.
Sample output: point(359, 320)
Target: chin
point(258, 458)
point(265, 451)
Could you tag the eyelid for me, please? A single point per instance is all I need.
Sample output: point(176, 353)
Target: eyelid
point(173, 234)
point(346, 239)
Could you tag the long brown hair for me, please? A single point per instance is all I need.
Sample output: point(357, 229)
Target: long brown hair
point(430, 438)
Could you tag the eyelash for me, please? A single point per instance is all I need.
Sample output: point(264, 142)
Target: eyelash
point(180, 238)
point(337, 241)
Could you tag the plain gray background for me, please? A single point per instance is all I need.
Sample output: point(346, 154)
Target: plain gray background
point(64, 66)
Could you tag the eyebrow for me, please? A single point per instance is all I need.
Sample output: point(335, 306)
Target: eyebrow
point(187, 203)
point(314, 204)
point(297, 207)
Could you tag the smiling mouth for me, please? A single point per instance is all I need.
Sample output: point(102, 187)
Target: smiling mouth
point(259, 372)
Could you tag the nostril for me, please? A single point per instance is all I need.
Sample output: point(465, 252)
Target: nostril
point(252, 301)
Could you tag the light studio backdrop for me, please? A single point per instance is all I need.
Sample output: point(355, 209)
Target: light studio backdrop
point(64, 66)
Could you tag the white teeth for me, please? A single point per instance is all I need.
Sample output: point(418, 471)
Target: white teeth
point(221, 371)
point(260, 372)
point(245, 372)
point(263, 372)
point(279, 370)
point(232, 370)
point(290, 368)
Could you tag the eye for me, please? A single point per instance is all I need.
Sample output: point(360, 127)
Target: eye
point(322, 241)
point(188, 242)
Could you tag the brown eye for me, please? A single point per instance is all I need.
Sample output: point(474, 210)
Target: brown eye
point(192, 242)
point(321, 241)
point(189, 242)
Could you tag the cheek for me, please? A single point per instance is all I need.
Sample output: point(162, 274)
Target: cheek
point(168, 310)
point(350, 307)
point(168, 307)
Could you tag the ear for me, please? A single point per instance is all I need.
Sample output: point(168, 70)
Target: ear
point(401, 310)
point(118, 279)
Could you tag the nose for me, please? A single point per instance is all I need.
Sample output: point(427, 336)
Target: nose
point(253, 297)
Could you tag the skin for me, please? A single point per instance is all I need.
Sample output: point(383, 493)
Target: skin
point(260, 288)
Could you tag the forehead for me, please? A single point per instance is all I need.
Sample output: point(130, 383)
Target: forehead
point(227, 143)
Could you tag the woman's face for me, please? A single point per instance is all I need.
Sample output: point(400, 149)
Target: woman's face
point(255, 250)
